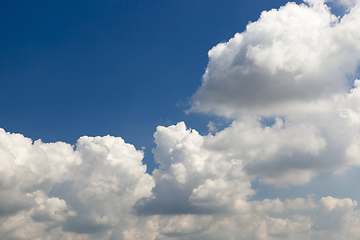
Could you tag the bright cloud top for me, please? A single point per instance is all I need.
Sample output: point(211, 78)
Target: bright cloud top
point(295, 64)
point(53, 189)
point(290, 61)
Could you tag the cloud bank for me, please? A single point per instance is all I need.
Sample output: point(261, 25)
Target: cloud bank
point(297, 65)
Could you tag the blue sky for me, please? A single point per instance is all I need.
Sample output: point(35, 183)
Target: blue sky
point(122, 68)
point(180, 120)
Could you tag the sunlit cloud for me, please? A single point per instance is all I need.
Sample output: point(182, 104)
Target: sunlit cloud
point(296, 65)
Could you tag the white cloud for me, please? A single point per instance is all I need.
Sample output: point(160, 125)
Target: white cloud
point(201, 192)
point(278, 206)
point(290, 61)
point(295, 64)
point(191, 178)
point(56, 191)
point(336, 219)
point(271, 152)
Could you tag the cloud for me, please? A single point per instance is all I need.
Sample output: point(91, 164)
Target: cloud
point(278, 206)
point(298, 65)
point(290, 61)
point(295, 65)
point(336, 219)
point(202, 189)
point(272, 152)
point(52, 189)
point(193, 179)
point(347, 4)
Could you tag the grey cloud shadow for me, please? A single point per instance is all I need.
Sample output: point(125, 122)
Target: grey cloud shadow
point(298, 161)
point(13, 202)
point(170, 200)
point(76, 225)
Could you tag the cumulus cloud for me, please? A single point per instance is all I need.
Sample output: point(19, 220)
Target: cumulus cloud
point(215, 181)
point(50, 189)
point(201, 190)
point(336, 219)
point(290, 61)
point(296, 65)
point(191, 178)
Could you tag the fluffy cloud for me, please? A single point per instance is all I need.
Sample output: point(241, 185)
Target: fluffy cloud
point(53, 190)
point(210, 193)
point(201, 190)
point(192, 178)
point(296, 65)
point(336, 219)
point(290, 61)
point(100, 190)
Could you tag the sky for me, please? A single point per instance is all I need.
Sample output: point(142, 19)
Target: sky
point(104, 67)
point(180, 120)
